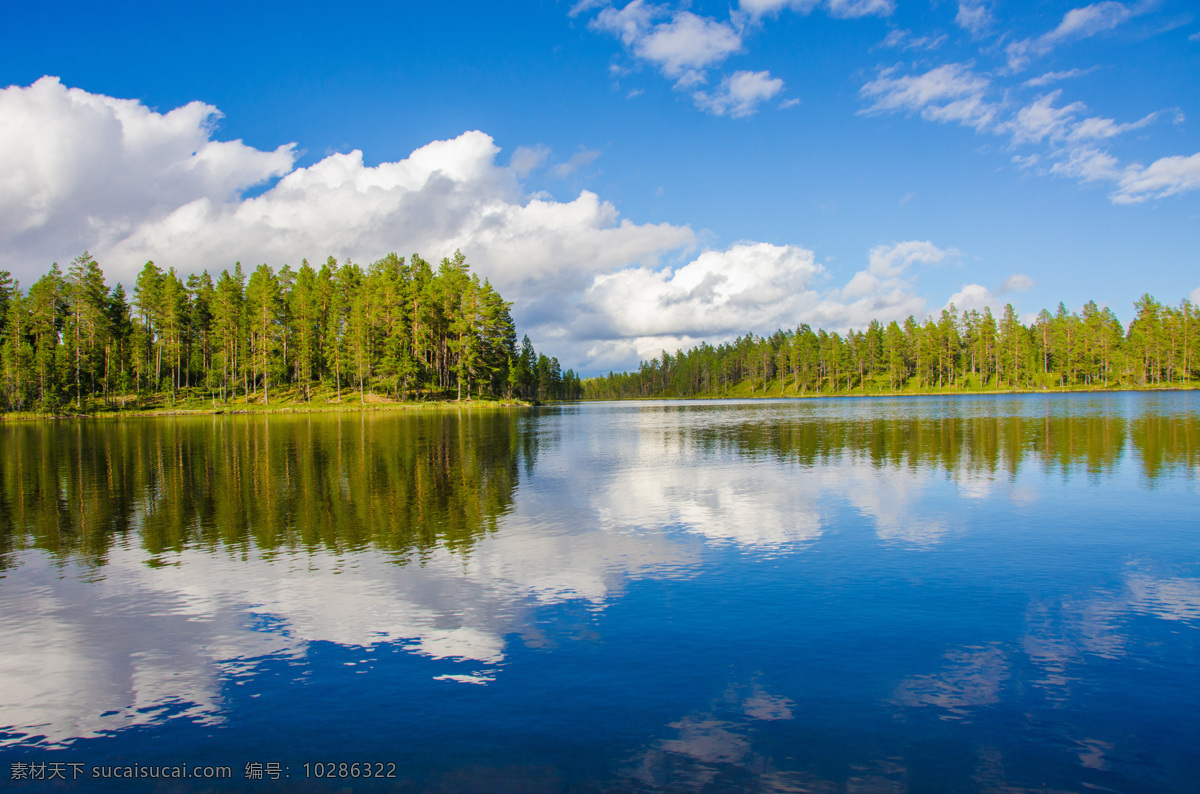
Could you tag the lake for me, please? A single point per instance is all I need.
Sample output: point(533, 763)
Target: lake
point(891, 594)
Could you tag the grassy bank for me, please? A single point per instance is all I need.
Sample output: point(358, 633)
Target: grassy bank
point(193, 402)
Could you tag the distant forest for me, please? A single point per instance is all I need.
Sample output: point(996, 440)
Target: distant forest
point(395, 328)
point(967, 351)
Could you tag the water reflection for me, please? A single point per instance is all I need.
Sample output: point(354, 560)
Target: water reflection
point(409, 485)
point(431, 480)
point(891, 570)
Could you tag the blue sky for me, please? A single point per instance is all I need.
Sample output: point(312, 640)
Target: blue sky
point(635, 176)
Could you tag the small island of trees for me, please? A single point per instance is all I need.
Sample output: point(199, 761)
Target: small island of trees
point(395, 330)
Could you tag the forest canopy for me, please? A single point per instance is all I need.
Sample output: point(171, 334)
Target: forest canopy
point(397, 328)
point(971, 350)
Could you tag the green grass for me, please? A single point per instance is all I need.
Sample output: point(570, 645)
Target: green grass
point(283, 401)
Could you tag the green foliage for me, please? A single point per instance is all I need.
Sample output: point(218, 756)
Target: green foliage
point(952, 353)
point(397, 329)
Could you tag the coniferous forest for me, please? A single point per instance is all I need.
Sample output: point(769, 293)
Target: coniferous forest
point(396, 329)
point(968, 351)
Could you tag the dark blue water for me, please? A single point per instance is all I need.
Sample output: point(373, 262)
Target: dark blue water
point(942, 594)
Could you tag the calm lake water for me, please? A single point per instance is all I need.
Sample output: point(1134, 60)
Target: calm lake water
point(928, 594)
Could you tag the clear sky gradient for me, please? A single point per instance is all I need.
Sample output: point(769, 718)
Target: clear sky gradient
point(636, 176)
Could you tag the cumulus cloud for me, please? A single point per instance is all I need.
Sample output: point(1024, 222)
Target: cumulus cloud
point(976, 297)
point(683, 41)
point(740, 94)
point(84, 169)
point(972, 297)
point(683, 46)
point(892, 260)
point(750, 284)
point(887, 278)
point(599, 289)
point(637, 312)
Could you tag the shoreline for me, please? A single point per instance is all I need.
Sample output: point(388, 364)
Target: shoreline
point(379, 406)
point(269, 410)
point(907, 393)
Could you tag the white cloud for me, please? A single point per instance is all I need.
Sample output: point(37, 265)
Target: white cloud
point(954, 93)
point(583, 6)
point(1078, 23)
point(84, 169)
point(1087, 164)
point(974, 17)
point(636, 313)
point(763, 7)
point(886, 289)
point(1100, 128)
point(587, 283)
point(1090, 20)
point(901, 39)
point(843, 9)
point(683, 46)
point(526, 159)
point(974, 297)
point(949, 93)
point(891, 261)
point(1034, 123)
point(1042, 121)
point(1167, 176)
point(740, 94)
point(685, 41)
point(1054, 77)
point(720, 292)
point(578, 160)
point(1018, 282)
point(850, 9)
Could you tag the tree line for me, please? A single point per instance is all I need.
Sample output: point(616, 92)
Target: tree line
point(395, 328)
point(972, 350)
